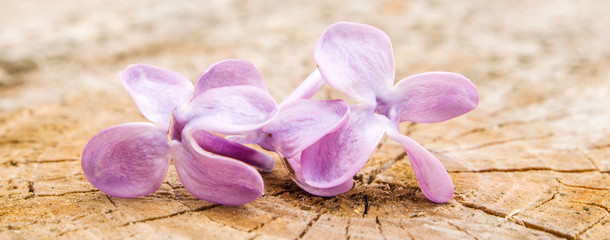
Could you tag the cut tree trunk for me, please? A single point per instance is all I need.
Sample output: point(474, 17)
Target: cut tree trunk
point(531, 162)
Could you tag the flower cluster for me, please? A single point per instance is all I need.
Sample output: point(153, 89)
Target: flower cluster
point(204, 127)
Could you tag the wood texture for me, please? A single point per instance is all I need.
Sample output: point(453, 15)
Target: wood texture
point(531, 162)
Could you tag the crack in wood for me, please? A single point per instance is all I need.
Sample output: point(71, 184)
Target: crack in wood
point(111, 201)
point(498, 142)
point(471, 131)
point(58, 178)
point(201, 209)
point(600, 146)
point(583, 187)
point(379, 227)
point(255, 236)
point(410, 128)
point(592, 226)
point(383, 167)
point(16, 141)
point(510, 217)
point(547, 230)
point(11, 163)
point(462, 230)
point(525, 223)
point(222, 223)
point(174, 186)
point(61, 160)
point(594, 162)
point(532, 121)
point(282, 192)
point(82, 216)
point(366, 205)
point(482, 208)
point(348, 236)
point(66, 193)
point(407, 231)
point(72, 230)
point(461, 135)
point(548, 200)
point(308, 227)
point(526, 169)
point(31, 187)
point(262, 224)
point(594, 204)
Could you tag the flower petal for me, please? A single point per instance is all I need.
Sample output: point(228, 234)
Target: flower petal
point(128, 160)
point(304, 121)
point(215, 178)
point(212, 177)
point(431, 175)
point(228, 110)
point(434, 97)
point(156, 91)
point(356, 59)
point(293, 165)
point(327, 192)
point(216, 144)
point(232, 72)
point(339, 155)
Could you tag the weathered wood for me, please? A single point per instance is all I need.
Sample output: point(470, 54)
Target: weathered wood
point(532, 161)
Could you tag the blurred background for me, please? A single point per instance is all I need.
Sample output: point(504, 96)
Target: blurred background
point(51, 50)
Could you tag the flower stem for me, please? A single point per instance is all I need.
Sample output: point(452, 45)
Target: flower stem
point(307, 88)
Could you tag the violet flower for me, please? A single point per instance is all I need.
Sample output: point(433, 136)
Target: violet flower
point(131, 160)
point(230, 98)
point(357, 60)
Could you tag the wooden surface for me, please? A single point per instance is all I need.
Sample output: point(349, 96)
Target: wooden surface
point(532, 161)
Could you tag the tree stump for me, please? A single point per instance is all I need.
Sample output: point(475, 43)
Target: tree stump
point(532, 161)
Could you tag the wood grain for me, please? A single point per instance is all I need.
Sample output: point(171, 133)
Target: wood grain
point(531, 162)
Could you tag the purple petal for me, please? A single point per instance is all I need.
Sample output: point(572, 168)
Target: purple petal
point(431, 175)
point(339, 155)
point(434, 97)
point(215, 144)
point(294, 168)
point(231, 72)
point(357, 60)
point(328, 192)
point(304, 121)
point(128, 160)
point(212, 177)
point(228, 110)
point(156, 91)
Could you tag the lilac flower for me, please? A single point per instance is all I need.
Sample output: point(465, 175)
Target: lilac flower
point(230, 98)
point(357, 60)
point(131, 160)
point(289, 128)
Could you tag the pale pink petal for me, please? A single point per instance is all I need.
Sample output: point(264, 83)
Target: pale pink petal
point(128, 160)
point(356, 59)
point(302, 122)
point(339, 155)
point(293, 165)
point(215, 178)
point(433, 97)
point(233, 72)
point(156, 91)
point(431, 175)
point(228, 110)
point(212, 177)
